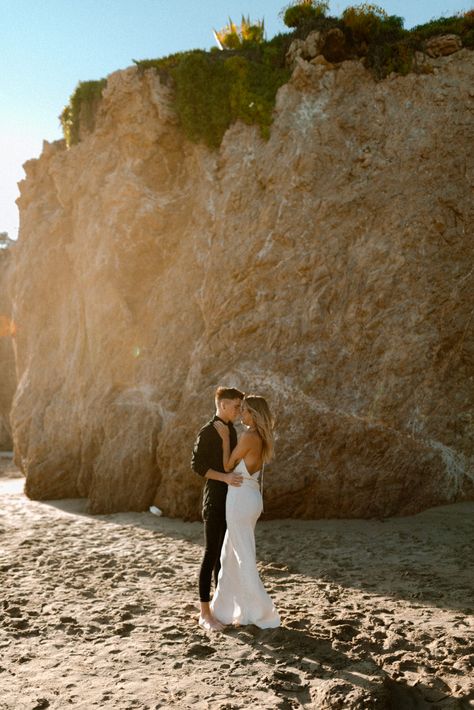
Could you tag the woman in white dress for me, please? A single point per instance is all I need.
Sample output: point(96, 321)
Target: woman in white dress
point(240, 597)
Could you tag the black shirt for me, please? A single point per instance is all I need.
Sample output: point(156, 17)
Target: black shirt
point(207, 453)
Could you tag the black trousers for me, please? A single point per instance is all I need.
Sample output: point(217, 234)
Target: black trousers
point(214, 532)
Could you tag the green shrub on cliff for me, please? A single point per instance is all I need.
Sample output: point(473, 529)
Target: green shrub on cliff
point(364, 21)
point(304, 16)
point(302, 12)
point(81, 110)
point(214, 89)
point(387, 47)
point(212, 93)
point(202, 97)
point(462, 25)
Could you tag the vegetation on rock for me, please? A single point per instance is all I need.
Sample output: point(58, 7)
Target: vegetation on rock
point(301, 12)
point(234, 37)
point(81, 110)
point(215, 88)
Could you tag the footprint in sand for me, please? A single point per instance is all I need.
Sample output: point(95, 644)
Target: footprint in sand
point(41, 704)
point(285, 681)
point(124, 630)
point(173, 633)
point(200, 650)
point(167, 571)
point(303, 623)
point(19, 624)
point(343, 631)
point(136, 609)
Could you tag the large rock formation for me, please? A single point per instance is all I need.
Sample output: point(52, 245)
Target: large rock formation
point(329, 269)
point(7, 360)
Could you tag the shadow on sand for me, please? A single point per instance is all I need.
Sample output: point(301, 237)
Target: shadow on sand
point(423, 559)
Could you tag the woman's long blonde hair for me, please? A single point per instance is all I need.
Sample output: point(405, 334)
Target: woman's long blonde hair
point(264, 423)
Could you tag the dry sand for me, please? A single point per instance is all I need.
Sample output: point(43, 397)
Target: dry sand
point(101, 612)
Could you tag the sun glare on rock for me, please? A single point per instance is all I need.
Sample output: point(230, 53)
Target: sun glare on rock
point(7, 327)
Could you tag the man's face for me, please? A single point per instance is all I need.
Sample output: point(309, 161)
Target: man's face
point(231, 408)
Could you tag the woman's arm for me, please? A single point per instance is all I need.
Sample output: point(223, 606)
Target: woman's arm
point(225, 447)
point(230, 459)
point(240, 452)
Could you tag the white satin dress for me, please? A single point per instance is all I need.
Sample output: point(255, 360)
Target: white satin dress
point(240, 597)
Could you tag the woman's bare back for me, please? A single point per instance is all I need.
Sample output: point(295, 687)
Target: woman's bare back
point(253, 457)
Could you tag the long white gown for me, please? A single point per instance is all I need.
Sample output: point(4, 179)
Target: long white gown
point(240, 597)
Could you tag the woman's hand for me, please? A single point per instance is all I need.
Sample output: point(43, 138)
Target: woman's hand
point(223, 430)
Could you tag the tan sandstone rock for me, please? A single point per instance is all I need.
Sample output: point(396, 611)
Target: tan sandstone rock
point(330, 44)
point(7, 360)
point(329, 269)
point(296, 49)
point(442, 45)
point(313, 44)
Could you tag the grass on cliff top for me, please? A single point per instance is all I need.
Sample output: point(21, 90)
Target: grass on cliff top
point(215, 88)
point(81, 110)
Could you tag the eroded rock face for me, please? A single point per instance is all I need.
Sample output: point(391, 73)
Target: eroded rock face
point(7, 360)
point(329, 269)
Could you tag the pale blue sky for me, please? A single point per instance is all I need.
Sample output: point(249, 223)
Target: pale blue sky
point(47, 46)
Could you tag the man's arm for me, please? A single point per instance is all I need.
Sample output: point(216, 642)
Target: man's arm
point(201, 452)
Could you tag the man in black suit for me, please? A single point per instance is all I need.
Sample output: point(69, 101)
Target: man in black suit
point(207, 461)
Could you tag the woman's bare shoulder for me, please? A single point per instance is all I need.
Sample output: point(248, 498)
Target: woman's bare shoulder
point(251, 438)
point(250, 435)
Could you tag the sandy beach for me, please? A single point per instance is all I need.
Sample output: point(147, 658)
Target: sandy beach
point(100, 611)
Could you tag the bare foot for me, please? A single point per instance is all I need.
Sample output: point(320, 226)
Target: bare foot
point(209, 623)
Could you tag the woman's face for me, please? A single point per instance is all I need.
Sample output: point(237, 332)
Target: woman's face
point(246, 418)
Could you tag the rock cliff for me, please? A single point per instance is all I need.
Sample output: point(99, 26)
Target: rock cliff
point(7, 360)
point(329, 269)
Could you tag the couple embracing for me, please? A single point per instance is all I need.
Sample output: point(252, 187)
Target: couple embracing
point(232, 504)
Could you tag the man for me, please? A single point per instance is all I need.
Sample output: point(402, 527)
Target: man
point(207, 461)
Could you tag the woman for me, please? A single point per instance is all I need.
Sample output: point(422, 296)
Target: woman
point(240, 597)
